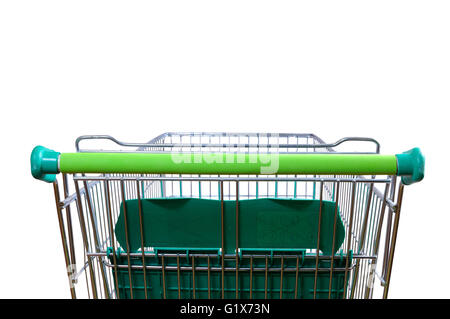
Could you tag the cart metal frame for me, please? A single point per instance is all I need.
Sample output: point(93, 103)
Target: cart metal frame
point(88, 205)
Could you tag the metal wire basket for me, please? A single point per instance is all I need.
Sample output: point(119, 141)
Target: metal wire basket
point(228, 215)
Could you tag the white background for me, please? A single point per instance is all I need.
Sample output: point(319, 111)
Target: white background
point(135, 69)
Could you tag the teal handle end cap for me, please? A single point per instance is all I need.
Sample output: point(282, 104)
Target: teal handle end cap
point(411, 166)
point(44, 164)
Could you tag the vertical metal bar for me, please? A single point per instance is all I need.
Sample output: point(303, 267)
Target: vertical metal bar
point(251, 277)
point(361, 280)
point(366, 224)
point(222, 235)
point(366, 277)
point(368, 280)
point(85, 240)
point(281, 277)
point(362, 239)
point(334, 187)
point(257, 182)
point(318, 239)
point(349, 238)
point(347, 205)
point(101, 204)
point(162, 186)
point(190, 149)
point(69, 266)
point(370, 248)
point(178, 276)
point(141, 229)
point(295, 187)
point(193, 276)
point(276, 186)
point(209, 278)
point(379, 229)
point(265, 282)
point(69, 225)
point(394, 240)
point(359, 207)
point(314, 188)
point(86, 278)
point(90, 244)
point(372, 225)
point(330, 284)
point(237, 240)
point(95, 235)
point(124, 204)
point(111, 234)
point(388, 228)
point(296, 279)
point(97, 207)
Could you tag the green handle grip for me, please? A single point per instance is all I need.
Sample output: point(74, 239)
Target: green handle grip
point(407, 165)
point(227, 163)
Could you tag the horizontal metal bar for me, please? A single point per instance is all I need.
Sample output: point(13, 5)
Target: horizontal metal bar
point(80, 272)
point(230, 179)
point(391, 204)
point(217, 269)
point(382, 281)
point(155, 144)
point(235, 134)
point(228, 256)
point(143, 151)
point(71, 198)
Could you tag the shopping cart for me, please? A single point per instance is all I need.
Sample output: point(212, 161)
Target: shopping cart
point(218, 215)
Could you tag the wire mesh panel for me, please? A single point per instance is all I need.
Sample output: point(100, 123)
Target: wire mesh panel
point(228, 236)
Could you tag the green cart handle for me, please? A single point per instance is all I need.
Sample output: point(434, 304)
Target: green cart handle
point(45, 164)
